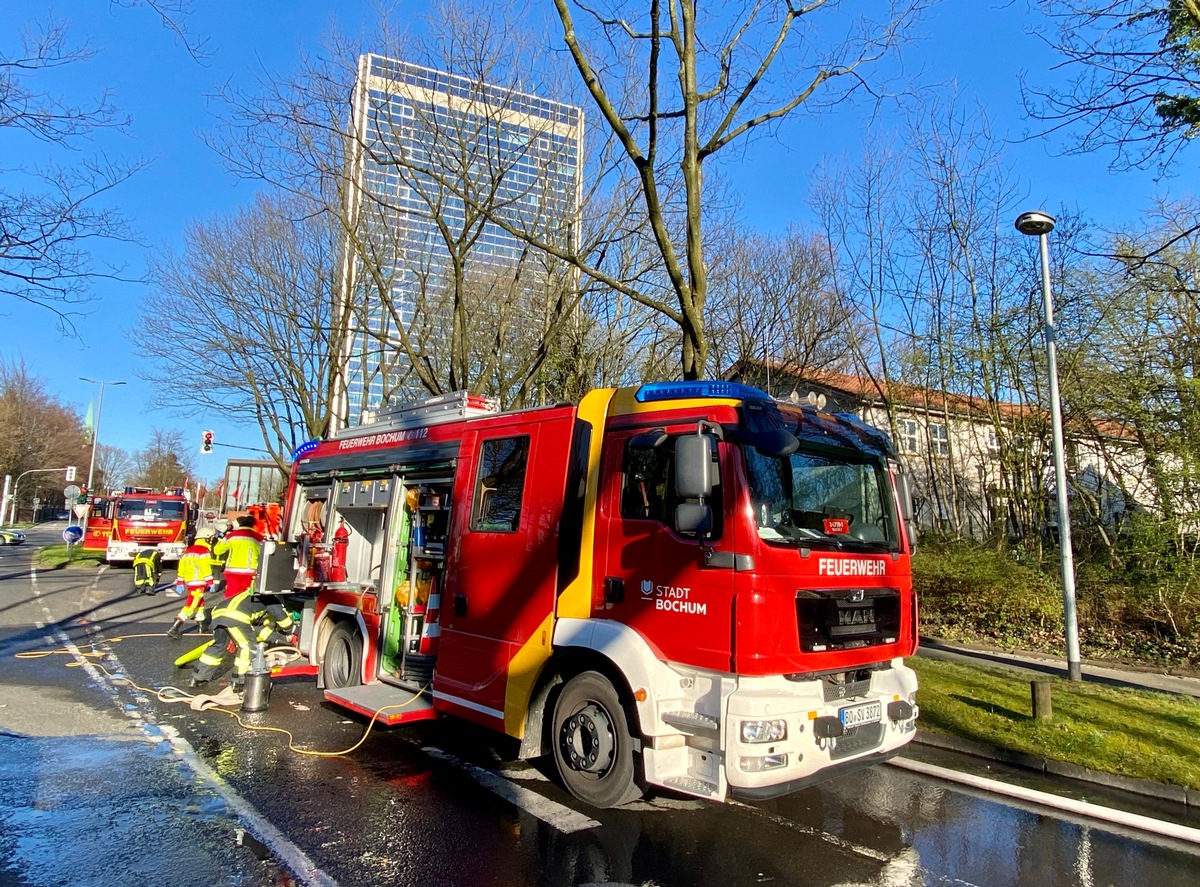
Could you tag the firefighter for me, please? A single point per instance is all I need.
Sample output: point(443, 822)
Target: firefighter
point(240, 622)
point(194, 578)
point(240, 549)
point(147, 570)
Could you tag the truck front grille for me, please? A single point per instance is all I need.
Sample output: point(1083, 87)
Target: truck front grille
point(842, 619)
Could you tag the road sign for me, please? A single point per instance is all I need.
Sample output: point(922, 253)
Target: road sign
point(71, 492)
point(71, 535)
point(81, 510)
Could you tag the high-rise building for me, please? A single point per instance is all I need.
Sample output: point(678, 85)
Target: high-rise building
point(436, 156)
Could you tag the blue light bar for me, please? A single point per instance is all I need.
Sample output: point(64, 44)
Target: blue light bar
point(654, 391)
point(304, 449)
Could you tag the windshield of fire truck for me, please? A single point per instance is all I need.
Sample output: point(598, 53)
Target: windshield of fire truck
point(149, 509)
point(822, 497)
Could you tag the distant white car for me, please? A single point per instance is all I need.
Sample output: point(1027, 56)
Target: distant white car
point(11, 537)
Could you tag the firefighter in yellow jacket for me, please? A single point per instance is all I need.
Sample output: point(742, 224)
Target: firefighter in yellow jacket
point(241, 622)
point(194, 578)
point(240, 549)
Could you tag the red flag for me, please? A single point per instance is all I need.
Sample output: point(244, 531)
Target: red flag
point(237, 491)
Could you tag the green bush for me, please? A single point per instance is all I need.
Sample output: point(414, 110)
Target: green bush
point(977, 594)
point(1129, 613)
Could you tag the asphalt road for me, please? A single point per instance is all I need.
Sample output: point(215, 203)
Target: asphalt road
point(103, 782)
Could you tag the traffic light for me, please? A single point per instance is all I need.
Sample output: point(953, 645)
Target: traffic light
point(206, 445)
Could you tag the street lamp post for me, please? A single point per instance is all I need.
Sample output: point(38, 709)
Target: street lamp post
point(96, 426)
point(1039, 224)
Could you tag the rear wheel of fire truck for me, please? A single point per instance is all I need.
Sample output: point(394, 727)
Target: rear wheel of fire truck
point(593, 750)
point(342, 664)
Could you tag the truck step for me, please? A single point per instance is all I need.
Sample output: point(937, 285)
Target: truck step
point(690, 720)
point(691, 786)
point(387, 704)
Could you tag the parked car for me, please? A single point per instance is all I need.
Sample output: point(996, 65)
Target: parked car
point(62, 515)
point(11, 537)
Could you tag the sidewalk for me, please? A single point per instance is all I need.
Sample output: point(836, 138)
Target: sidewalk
point(1035, 664)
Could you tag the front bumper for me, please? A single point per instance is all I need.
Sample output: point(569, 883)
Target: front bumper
point(817, 745)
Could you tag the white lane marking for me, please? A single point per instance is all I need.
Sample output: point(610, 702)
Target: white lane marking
point(289, 855)
point(550, 812)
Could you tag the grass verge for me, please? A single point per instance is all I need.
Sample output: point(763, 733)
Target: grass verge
point(1134, 733)
point(54, 557)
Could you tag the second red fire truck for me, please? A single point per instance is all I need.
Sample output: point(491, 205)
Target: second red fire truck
point(685, 585)
point(140, 517)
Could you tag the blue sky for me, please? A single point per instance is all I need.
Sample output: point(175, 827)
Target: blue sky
point(980, 45)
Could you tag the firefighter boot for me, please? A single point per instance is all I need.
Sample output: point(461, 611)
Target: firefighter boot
point(174, 632)
point(203, 619)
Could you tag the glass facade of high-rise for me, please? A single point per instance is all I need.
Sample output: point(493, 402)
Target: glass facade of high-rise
point(438, 155)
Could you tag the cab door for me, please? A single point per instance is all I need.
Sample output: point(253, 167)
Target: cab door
point(654, 578)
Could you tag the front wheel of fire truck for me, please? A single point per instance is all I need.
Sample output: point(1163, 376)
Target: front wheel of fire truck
point(593, 749)
point(342, 664)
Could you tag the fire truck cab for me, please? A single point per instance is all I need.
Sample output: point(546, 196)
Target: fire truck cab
point(142, 517)
point(685, 585)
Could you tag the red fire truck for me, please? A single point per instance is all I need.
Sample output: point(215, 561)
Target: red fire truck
point(686, 585)
point(139, 517)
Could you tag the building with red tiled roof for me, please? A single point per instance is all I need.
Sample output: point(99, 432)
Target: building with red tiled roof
point(979, 466)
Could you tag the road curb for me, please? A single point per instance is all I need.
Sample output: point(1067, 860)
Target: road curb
point(1144, 787)
point(1146, 824)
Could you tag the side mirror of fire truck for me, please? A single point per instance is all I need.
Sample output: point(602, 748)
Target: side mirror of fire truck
point(693, 481)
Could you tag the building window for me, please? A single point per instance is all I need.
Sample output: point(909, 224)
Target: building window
point(910, 441)
point(993, 444)
point(939, 443)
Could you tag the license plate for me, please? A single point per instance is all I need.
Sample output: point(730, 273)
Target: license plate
point(858, 715)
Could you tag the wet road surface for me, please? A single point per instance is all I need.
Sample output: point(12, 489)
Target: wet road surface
point(103, 783)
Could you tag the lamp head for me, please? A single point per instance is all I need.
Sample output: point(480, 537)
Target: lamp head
point(1035, 222)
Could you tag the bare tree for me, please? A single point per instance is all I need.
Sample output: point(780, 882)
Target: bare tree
point(949, 294)
point(1137, 368)
point(241, 322)
point(39, 432)
point(519, 326)
point(708, 80)
point(1136, 78)
point(113, 465)
point(164, 463)
point(51, 214)
point(773, 298)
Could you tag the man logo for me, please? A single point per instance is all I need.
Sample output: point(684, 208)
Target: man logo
point(856, 596)
point(647, 588)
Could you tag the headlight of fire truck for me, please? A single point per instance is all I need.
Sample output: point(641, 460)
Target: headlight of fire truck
point(764, 730)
